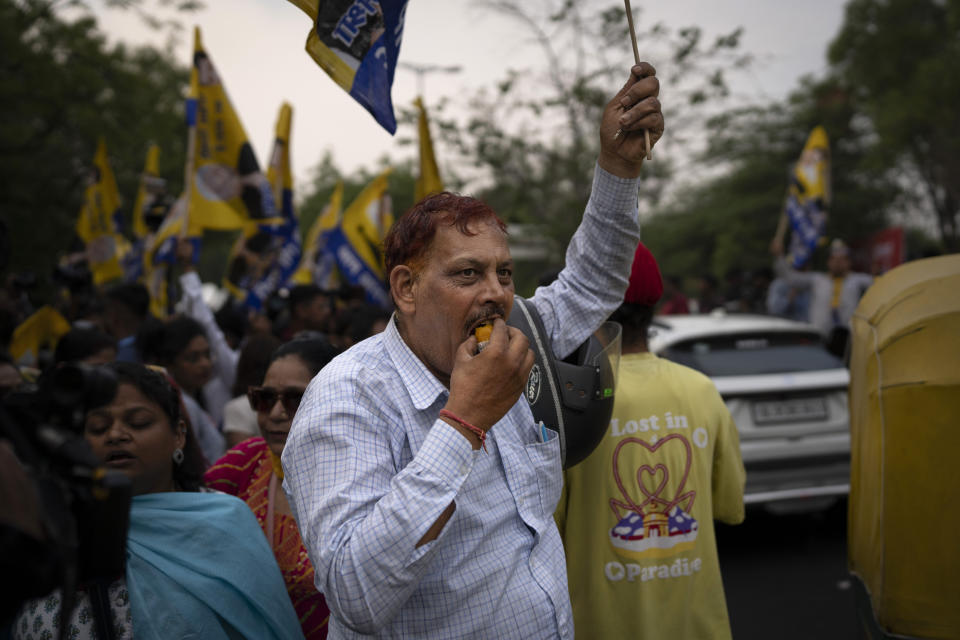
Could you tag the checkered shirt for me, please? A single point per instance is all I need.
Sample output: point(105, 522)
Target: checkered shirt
point(369, 468)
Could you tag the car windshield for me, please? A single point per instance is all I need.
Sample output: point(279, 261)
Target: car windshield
point(753, 354)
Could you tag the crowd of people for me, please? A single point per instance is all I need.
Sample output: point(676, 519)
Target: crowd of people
point(202, 407)
point(325, 467)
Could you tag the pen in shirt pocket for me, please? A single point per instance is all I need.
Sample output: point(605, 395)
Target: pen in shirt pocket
point(544, 436)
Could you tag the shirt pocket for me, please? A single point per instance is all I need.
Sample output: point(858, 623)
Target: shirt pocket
point(534, 477)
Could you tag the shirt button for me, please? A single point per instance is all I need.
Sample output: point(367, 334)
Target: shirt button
point(463, 469)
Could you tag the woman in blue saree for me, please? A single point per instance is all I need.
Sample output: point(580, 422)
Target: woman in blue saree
point(197, 564)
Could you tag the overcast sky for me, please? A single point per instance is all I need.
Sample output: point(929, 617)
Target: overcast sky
point(258, 49)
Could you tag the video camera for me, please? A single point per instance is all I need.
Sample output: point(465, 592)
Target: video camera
point(84, 506)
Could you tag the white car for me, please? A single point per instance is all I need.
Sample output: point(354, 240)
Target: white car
point(787, 395)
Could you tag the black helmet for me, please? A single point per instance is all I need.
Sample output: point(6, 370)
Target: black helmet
point(572, 396)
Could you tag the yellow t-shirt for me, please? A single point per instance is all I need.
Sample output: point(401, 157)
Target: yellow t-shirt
point(636, 517)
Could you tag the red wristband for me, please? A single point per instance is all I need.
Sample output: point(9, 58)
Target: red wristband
point(480, 433)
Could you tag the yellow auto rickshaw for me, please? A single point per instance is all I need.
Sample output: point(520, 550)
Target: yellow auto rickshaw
point(904, 520)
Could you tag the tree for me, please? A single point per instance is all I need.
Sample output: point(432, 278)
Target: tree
point(727, 223)
point(528, 145)
point(61, 88)
point(898, 61)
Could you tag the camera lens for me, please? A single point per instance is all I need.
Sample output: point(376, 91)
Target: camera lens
point(82, 385)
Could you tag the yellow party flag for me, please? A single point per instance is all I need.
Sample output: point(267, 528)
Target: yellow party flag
point(151, 186)
point(355, 243)
point(44, 327)
point(99, 223)
point(316, 263)
point(226, 188)
point(428, 182)
point(269, 254)
point(357, 42)
point(366, 221)
point(808, 197)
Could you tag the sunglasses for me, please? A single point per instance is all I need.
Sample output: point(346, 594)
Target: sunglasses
point(263, 399)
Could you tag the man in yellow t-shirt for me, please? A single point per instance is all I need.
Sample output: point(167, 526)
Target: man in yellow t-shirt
point(636, 517)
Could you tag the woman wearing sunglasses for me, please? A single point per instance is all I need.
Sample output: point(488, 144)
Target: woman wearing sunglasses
point(252, 471)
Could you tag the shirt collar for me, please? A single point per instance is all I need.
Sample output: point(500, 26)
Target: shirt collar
point(423, 386)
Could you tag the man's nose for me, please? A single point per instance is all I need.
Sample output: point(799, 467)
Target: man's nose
point(493, 290)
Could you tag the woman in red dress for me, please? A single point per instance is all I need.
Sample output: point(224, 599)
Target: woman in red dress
point(252, 472)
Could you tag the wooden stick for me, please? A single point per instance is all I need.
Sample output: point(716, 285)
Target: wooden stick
point(636, 60)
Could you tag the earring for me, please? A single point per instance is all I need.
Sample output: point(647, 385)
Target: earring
point(178, 455)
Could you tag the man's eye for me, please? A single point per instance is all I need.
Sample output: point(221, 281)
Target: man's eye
point(469, 273)
point(506, 273)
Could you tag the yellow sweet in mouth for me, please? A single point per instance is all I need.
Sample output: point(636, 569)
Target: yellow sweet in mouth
point(483, 331)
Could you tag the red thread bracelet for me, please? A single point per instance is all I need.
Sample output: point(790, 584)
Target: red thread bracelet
point(480, 433)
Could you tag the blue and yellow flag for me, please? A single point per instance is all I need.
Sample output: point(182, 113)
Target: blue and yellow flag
point(269, 254)
point(44, 327)
point(160, 255)
point(357, 42)
point(428, 182)
point(151, 187)
point(808, 197)
point(99, 224)
point(227, 188)
point(356, 242)
point(317, 264)
point(149, 195)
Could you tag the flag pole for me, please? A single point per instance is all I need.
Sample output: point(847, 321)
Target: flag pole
point(636, 60)
point(188, 165)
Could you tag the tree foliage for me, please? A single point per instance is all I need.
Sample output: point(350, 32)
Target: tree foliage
point(726, 223)
point(61, 88)
point(529, 144)
point(898, 59)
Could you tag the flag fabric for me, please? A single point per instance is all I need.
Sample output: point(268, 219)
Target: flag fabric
point(99, 224)
point(151, 187)
point(357, 42)
point(160, 256)
point(44, 327)
point(317, 265)
point(269, 253)
point(428, 182)
point(149, 195)
point(355, 243)
point(808, 197)
point(226, 188)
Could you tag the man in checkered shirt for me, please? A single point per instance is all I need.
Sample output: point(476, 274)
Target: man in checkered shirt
point(414, 529)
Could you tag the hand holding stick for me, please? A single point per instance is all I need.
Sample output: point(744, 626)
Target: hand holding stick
point(636, 60)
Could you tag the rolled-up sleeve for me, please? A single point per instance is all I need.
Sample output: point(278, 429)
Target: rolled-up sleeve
point(592, 284)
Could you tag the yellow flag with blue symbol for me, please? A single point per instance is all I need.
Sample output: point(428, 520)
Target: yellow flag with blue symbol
point(151, 186)
point(227, 188)
point(428, 182)
point(269, 253)
point(99, 224)
point(808, 197)
point(357, 42)
point(160, 255)
point(356, 242)
point(317, 264)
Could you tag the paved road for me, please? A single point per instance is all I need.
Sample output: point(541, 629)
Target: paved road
point(785, 576)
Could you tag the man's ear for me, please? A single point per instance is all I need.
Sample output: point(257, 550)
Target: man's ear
point(402, 286)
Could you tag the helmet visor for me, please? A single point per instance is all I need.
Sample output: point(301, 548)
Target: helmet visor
point(607, 360)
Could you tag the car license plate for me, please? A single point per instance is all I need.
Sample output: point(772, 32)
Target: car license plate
point(791, 410)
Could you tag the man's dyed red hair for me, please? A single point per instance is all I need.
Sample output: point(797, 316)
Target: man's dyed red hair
point(409, 239)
